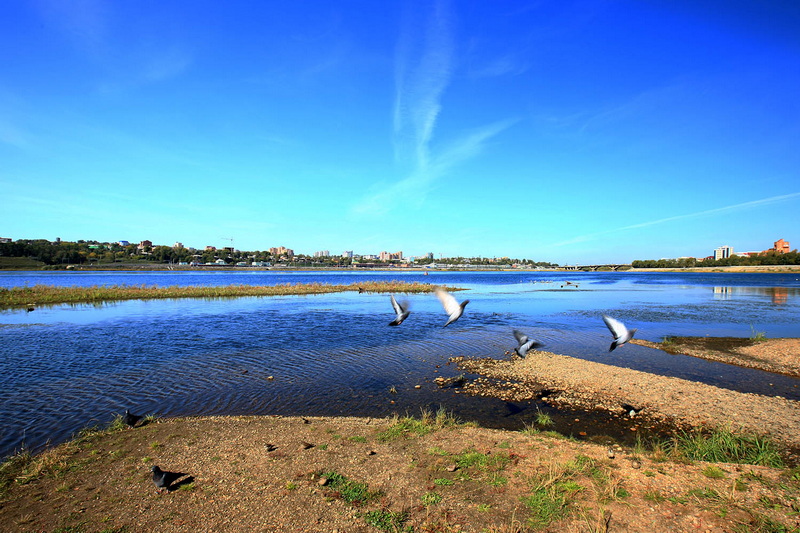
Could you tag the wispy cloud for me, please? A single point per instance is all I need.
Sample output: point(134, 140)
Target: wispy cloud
point(707, 212)
point(424, 69)
point(508, 65)
point(421, 77)
point(414, 188)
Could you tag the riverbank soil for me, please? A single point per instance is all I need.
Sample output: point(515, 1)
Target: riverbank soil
point(366, 475)
point(569, 382)
point(773, 355)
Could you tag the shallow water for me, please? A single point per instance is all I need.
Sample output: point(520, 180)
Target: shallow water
point(65, 367)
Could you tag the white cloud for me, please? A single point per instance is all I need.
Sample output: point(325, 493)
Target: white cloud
point(709, 212)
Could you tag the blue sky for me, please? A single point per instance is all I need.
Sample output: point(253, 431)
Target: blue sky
point(564, 131)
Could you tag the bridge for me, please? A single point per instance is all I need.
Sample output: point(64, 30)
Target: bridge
point(594, 268)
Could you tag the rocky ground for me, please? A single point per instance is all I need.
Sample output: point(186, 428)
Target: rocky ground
point(567, 381)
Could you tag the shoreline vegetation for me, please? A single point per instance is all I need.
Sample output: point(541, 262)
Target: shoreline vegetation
point(400, 474)
point(37, 295)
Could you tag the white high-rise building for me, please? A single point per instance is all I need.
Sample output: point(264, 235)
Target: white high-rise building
point(723, 252)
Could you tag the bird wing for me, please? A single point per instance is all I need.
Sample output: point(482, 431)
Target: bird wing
point(396, 306)
point(616, 327)
point(521, 337)
point(449, 303)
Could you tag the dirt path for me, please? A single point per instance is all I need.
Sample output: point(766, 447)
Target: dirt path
point(285, 474)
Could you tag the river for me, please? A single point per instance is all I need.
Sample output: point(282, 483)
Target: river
point(66, 367)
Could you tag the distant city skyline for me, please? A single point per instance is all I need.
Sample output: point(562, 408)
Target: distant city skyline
point(568, 132)
point(721, 252)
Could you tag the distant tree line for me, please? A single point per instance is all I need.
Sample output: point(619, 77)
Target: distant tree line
point(62, 253)
point(770, 257)
point(59, 254)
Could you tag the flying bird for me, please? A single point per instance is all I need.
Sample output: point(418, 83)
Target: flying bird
point(131, 419)
point(524, 343)
point(620, 332)
point(451, 306)
point(401, 310)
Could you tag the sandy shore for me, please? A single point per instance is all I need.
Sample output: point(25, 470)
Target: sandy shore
point(773, 355)
point(773, 269)
point(567, 381)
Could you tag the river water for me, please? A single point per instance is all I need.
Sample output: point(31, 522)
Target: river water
point(66, 367)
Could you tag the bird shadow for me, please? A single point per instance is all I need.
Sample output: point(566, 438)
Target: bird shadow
point(175, 480)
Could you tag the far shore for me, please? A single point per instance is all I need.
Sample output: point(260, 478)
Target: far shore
point(763, 269)
point(576, 269)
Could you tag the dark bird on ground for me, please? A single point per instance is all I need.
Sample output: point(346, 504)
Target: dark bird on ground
point(453, 309)
point(163, 479)
point(401, 310)
point(360, 290)
point(131, 419)
point(620, 332)
point(630, 410)
point(524, 344)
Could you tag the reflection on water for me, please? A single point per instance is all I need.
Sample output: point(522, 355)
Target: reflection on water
point(65, 367)
point(778, 295)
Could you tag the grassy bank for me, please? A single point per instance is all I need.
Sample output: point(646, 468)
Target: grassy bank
point(48, 295)
point(401, 474)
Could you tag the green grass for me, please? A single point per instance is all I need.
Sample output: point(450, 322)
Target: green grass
point(761, 524)
point(543, 419)
point(408, 426)
point(482, 461)
point(443, 482)
point(548, 502)
point(653, 496)
point(757, 336)
point(714, 472)
point(49, 295)
point(725, 446)
point(353, 492)
point(431, 498)
point(392, 522)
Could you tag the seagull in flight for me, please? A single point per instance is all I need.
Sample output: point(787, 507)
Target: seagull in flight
point(620, 332)
point(401, 310)
point(525, 343)
point(451, 306)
